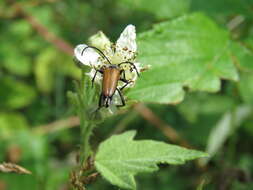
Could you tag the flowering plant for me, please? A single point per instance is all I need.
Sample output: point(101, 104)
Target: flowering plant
point(103, 52)
point(119, 158)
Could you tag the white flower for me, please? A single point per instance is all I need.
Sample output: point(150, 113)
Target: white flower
point(88, 57)
point(124, 50)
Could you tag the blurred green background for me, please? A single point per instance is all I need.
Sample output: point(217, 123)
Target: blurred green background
point(38, 129)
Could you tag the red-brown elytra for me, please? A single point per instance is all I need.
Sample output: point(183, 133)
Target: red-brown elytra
point(112, 73)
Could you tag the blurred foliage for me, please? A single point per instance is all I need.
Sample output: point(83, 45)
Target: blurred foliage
point(35, 76)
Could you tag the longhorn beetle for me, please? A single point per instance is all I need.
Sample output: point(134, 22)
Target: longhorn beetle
point(112, 73)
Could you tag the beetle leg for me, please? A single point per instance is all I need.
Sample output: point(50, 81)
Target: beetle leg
point(101, 101)
point(132, 64)
point(124, 80)
point(126, 83)
point(107, 101)
point(93, 79)
point(124, 74)
point(122, 98)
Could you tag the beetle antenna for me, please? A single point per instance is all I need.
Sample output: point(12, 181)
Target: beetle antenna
point(132, 65)
point(98, 50)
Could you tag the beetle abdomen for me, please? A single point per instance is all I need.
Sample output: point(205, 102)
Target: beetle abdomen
point(110, 81)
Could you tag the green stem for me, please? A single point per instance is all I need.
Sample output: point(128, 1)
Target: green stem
point(86, 124)
point(85, 147)
point(86, 134)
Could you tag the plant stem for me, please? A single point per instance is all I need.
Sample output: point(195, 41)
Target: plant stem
point(85, 134)
point(86, 123)
point(83, 100)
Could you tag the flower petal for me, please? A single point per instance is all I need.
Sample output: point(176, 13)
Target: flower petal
point(126, 45)
point(100, 41)
point(87, 57)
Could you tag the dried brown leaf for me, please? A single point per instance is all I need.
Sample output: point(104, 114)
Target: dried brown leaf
point(13, 168)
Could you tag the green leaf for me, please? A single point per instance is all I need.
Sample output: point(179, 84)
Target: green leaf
point(246, 87)
point(14, 60)
point(201, 185)
point(120, 158)
point(15, 94)
point(189, 51)
point(45, 16)
point(243, 57)
point(197, 104)
point(160, 8)
point(220, 8)
point(20, 28)
point(50, 63)
point(44, 70)
point(11, 123)
point(225, 127)
point(219, 133)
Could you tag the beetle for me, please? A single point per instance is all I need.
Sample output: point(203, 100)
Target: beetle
point(112, 73)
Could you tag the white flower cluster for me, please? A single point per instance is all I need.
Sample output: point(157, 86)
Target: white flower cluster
point(124, 50)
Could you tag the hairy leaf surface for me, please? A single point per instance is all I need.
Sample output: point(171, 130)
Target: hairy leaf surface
point(190, 51)
point(120, 158)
